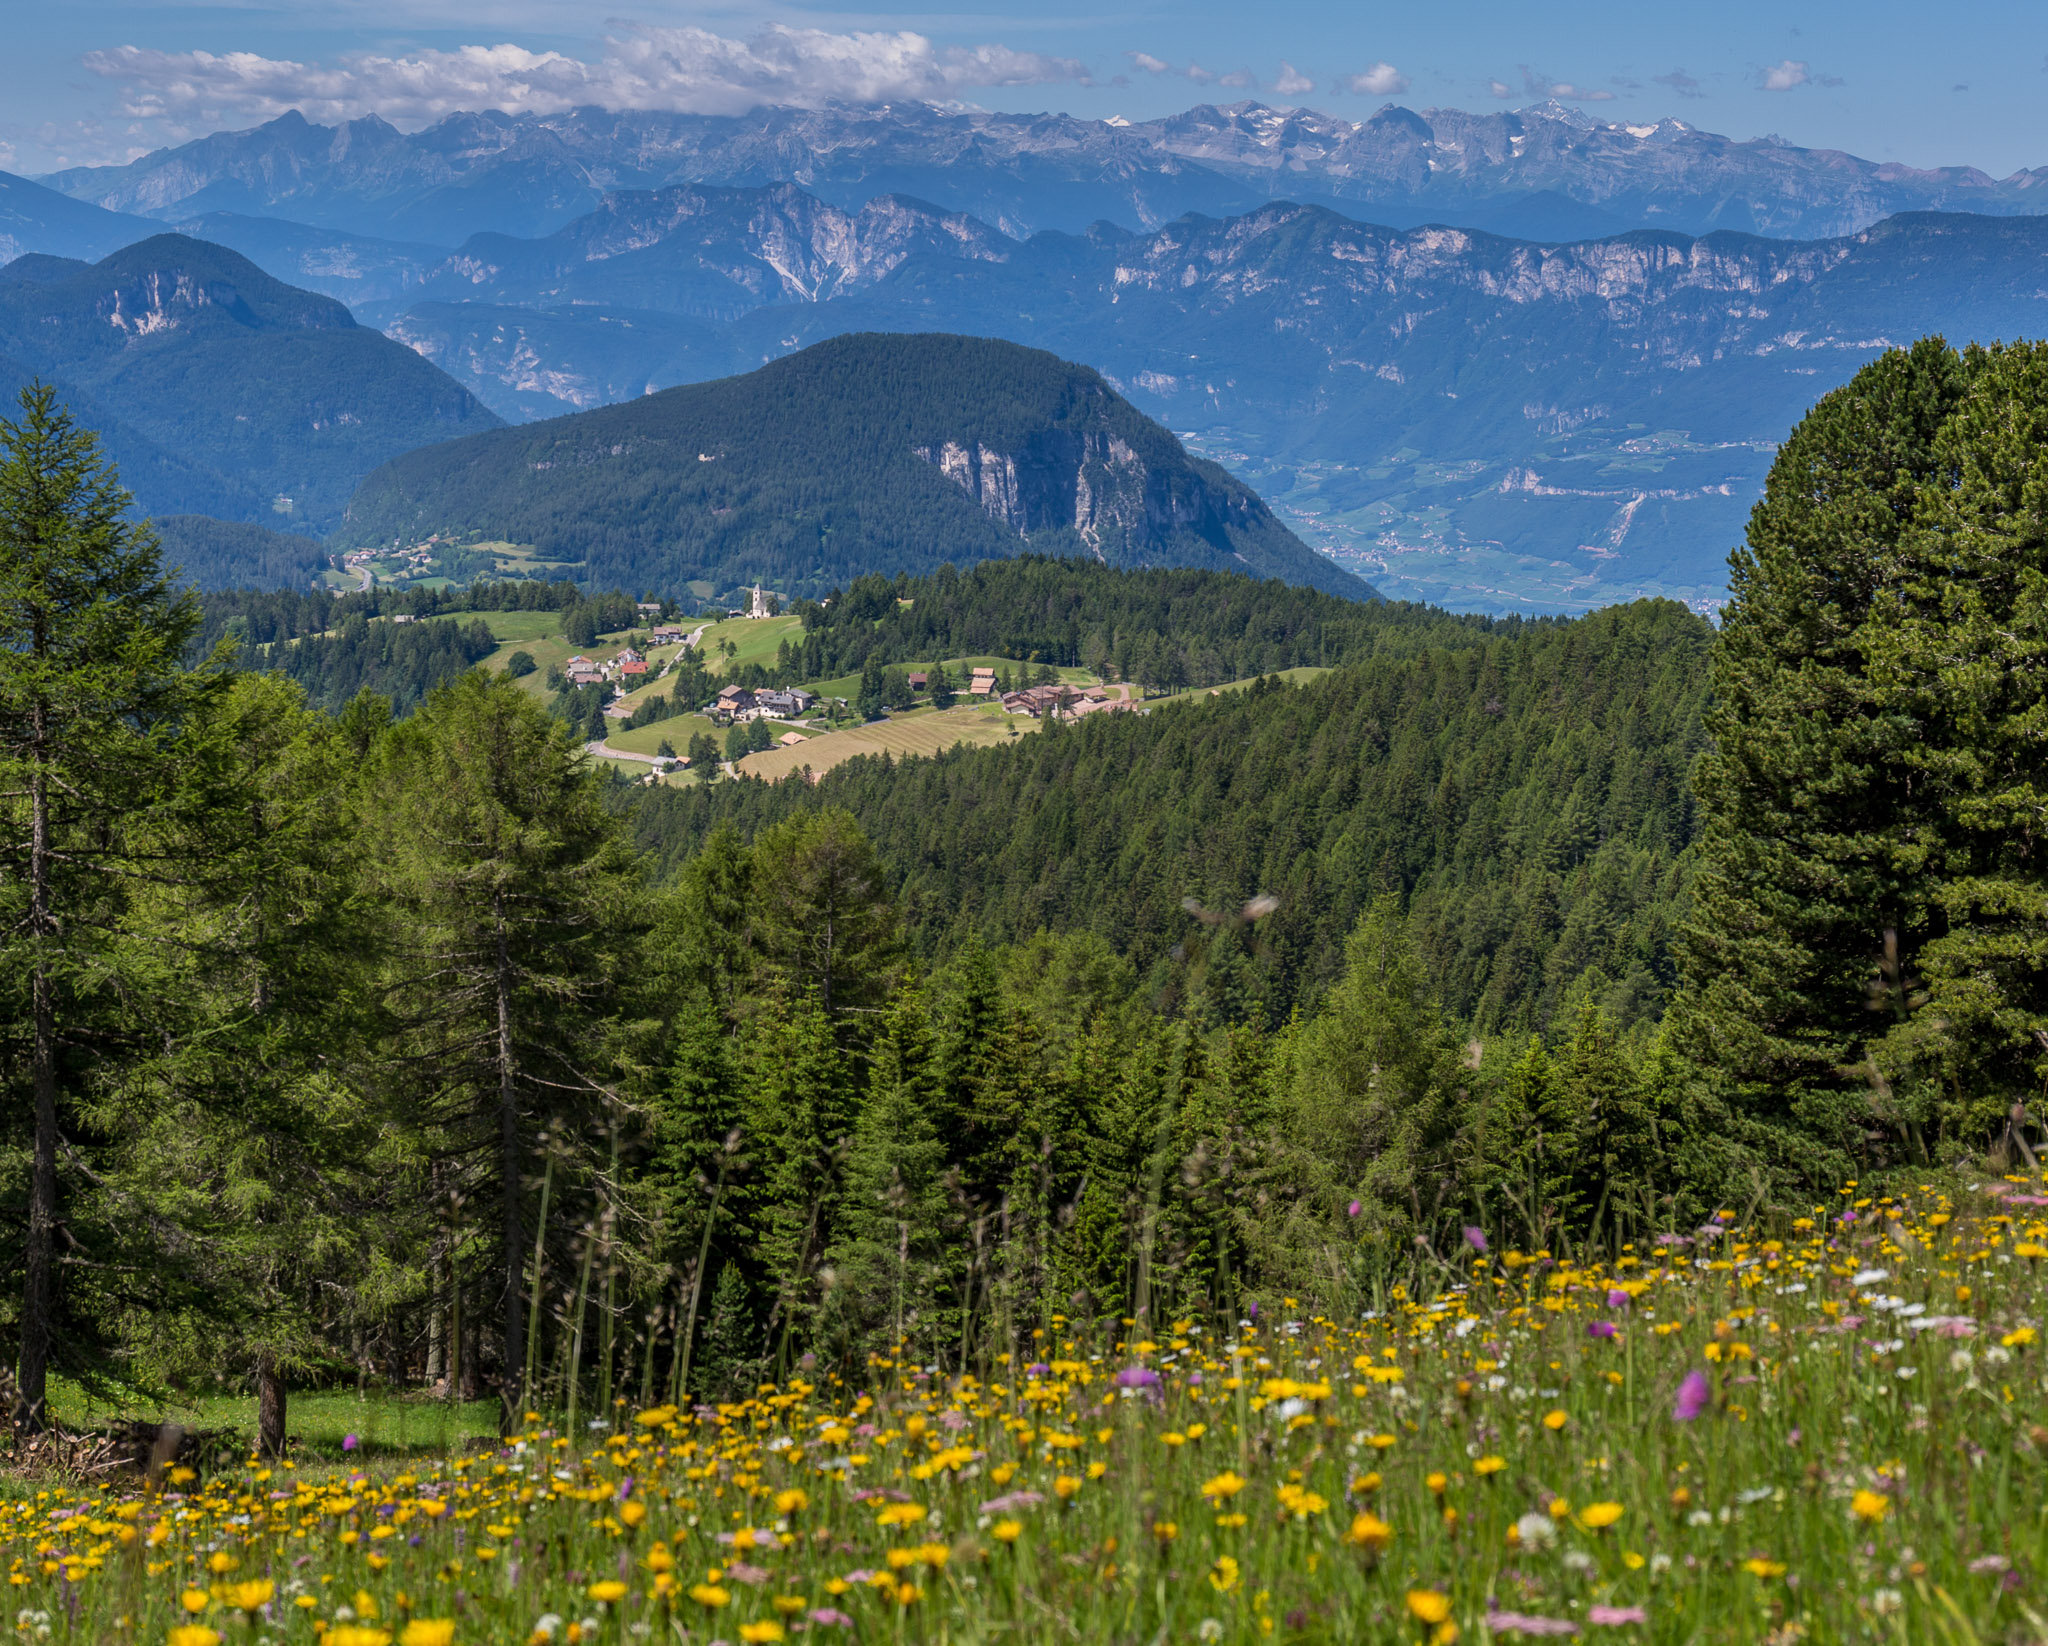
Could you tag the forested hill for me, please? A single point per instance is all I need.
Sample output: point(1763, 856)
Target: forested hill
point(1529, 794)
point(1207, 627)
point(224, 392)
point(868, 453)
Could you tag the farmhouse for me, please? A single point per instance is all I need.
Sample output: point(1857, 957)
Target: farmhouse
point(784, 704)
point(981, 682)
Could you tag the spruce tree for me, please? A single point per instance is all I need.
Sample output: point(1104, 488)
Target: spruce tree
point(92, 633)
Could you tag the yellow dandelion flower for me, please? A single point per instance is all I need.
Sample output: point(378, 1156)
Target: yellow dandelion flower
point(1368, 1531)
point(757, 1634)
point(1007, 1531)
point(1065, 1487)
point(355, 1634)
point(428, 1631)
point(792, 1502)
point(195, 1601)
point(900, 1514)
point(789, 1605)
point(1437, 1482)
point(1599, 1516)
point(1165, 1530)
point(1428, 1606)
point(631, 1513)
point(194, 1634)
point(2018, 1339)
point(1554, 1421)
point(709, 1595)
point(1224, 1575)
point(1489, 1466)
point(252, 1596)
point(1225, 1485)
point(1870, 1507)
point(1757, 1566)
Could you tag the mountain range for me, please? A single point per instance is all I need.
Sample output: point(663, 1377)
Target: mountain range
point(1454, 416)
point(1578, 412)
point(865, 454)
point(1547, 172)
point(218, 389)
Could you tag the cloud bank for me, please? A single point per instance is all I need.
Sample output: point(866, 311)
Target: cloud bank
point(684, 70)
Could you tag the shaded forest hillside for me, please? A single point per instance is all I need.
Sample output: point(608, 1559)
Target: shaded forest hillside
point(1526, 794)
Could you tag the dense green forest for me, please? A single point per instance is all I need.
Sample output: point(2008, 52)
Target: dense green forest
point(232, 554)
point(826, 465)
point(1172, 627)
point(348, 1044)
point(1525, 796)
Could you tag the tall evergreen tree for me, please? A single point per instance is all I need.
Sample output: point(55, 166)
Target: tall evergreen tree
point(91, 694)
point(1815, 819)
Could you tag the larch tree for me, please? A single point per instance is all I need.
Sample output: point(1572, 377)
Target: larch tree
point(486, 830)
point(92, 691)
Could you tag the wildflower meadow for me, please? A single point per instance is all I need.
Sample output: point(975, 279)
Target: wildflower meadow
point(1828, 1432)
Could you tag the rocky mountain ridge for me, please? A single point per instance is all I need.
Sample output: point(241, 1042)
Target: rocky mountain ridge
point(1548, 171)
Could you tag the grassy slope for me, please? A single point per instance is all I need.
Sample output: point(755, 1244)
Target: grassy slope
point(926, 733)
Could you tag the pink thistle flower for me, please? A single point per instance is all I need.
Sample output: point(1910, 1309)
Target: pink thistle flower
point(1693, 1395)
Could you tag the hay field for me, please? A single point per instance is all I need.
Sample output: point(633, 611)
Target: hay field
point(916, 734)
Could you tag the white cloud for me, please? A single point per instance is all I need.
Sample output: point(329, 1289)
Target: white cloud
point(1542, 85)
point(1292, 82)
point(1150, 64)
point(688, 70)
point(1238, 80)
point(1381, 80)
point(1784, 76)
point(1499, 89)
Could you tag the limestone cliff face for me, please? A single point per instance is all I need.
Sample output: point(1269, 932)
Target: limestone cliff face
point(1094, 483)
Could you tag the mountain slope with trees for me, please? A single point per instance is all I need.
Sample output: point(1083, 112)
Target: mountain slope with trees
point(269, 403)
point(864, 454)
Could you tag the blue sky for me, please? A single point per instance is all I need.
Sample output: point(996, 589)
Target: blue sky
point(88, 81)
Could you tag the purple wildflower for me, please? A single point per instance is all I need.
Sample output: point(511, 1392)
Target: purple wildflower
point(830, 1617)
point(1615, 1616)
point(1475, 1237)
point(349, 1443)
point(1600, 1328)
point(1137, 1377)
point(1693, 1395)
point(1353, 1209)
point(1617, 1298)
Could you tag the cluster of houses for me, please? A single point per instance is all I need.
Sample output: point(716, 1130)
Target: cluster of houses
point(628, 669)
point(739, 703)
point(1064, 702)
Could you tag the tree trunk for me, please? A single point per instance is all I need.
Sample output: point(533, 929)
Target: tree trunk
point(508, 1174)
point(38, 1259)
point(270, 1403)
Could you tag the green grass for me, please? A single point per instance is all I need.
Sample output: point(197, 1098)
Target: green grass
point(316, 1423)
point(676, 731)
point(756, 640)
